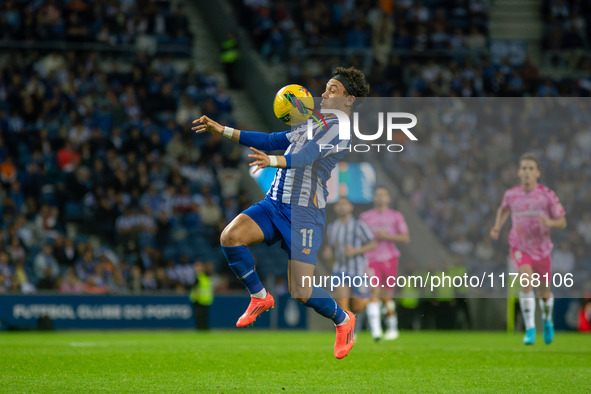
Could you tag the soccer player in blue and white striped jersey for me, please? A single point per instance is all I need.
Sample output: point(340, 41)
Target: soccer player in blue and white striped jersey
point(293, 210)
point(350, 239)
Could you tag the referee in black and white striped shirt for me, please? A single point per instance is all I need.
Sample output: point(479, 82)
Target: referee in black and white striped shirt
point(350, 239)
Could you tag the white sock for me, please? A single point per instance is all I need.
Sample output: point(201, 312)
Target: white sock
point(392, 322)
point(390, 306)
point(374, 318)
point(261, 294)
point(347, 318)
point(547, 307)
point(527, 302)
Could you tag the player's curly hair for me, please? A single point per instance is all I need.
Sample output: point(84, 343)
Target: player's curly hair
point(356, 83)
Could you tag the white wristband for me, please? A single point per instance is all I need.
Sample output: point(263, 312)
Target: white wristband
point(272, 161)
point(228, 132)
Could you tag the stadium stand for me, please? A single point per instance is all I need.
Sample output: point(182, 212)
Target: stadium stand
point(103, 187)
point(566, 35)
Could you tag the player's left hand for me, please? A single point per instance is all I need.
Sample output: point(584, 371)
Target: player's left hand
point(261, 160)
point(350, 251)
point(545, 221)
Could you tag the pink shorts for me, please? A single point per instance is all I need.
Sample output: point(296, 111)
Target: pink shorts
point(542, 266)
point(382, 270)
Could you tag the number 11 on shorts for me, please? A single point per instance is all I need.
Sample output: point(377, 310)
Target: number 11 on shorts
point(309, 232)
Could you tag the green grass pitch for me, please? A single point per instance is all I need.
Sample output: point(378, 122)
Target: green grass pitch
point(271, 361)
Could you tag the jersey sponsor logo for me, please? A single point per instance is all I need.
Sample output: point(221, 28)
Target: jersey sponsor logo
point(306, 251)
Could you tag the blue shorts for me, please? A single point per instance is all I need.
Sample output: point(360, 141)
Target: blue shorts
point(300, 229)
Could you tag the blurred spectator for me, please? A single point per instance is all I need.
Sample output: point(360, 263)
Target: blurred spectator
point(65, 252)
point(6, 272)
point(70, 284)
point(185, 272)
point(8, 171)
point(211, 213)
point(584, 228)
point(475, 39)
point(563, 259)
point(46, 222)
point(21, 278)
point(46, 268)
point(68, 158)
point(15, 249)
point(135, 280)
point(164, 282)
point(149, 282)
point(86, 265)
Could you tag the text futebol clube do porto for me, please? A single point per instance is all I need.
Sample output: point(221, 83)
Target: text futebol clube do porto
point(344, 126)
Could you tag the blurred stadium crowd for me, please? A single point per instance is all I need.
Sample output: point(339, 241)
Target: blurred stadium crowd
point(97, 146)
point(418, 48)
point(566, 35)
point(103, 21)
point(288, 26)
point(101, 141)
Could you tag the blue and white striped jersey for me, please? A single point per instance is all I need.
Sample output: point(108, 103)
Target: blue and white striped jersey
point(355, 233)
point(306, 186)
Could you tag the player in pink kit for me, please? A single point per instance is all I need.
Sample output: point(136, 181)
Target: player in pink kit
point(535, 210)
point(388, 227)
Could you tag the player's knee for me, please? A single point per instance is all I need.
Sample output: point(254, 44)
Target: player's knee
point(229, 237)
point(301, 294)
point(301, 300)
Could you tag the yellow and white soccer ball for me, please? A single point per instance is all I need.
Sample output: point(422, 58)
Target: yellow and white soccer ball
point(293, 104)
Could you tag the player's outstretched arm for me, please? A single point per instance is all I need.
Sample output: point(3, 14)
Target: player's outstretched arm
point(500, 219)
point(263, 141)
point(403, 238)
point(369, 246)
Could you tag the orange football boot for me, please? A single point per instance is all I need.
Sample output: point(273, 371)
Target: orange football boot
point(344, 342)
point(255, 308)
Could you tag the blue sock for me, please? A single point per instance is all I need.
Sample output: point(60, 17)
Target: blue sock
point(241, 262)
point(321, 302)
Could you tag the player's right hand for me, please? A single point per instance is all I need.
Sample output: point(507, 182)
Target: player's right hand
point(381, 235)
point(494, 233)
point(206, 124)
